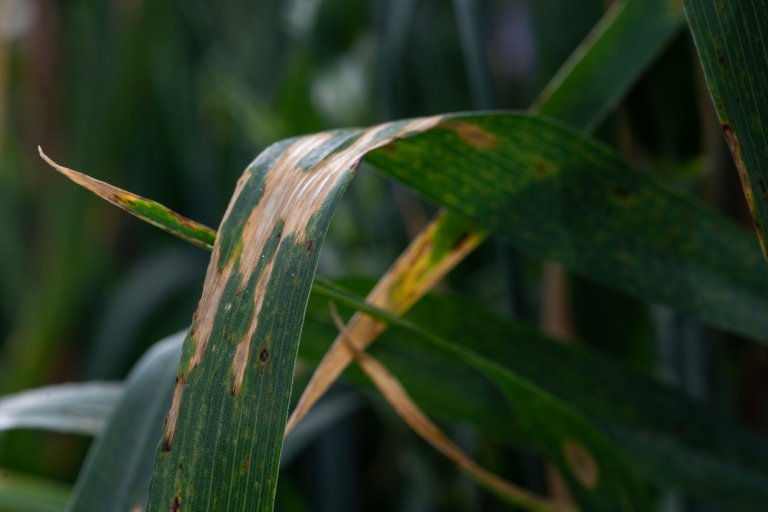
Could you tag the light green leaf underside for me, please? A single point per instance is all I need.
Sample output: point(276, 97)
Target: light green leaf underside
point(731, 37)
point(77, 408)
point(130, 440)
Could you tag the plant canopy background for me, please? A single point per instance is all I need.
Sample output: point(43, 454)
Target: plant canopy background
point(603, 349)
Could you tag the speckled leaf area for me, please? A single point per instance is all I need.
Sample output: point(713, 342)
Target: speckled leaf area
point(562, 196)
point(223, 434)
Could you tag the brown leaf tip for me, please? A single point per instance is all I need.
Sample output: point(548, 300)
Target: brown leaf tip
point(581, 463)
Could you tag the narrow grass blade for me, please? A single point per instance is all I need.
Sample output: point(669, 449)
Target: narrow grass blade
point(598, 476)
point(439, 248)
point(25, 493)
point(145, 209)
point(626, 41)
point(80, 408)
point(732, 41)
point(629, 36)
point(130, 440)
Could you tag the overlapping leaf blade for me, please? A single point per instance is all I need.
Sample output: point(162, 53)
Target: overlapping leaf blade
point(652, 424)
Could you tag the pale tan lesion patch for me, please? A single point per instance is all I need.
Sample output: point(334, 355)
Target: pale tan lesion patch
point(293, 195)
point(173, 414)
point(581, 463)
point(471, 133)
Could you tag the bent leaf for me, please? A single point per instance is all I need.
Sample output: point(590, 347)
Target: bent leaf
point(78, 408)
point(625, 40)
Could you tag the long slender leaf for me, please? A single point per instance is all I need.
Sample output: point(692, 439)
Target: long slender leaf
point(654, 425)
point(78, 408)
point(548, 189)
point(130, 440)
point(626, 41)
point(732, 40)
point(242, 345)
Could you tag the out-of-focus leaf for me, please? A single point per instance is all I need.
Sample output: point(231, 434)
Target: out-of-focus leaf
point(732, 40)
point(397, 397)
point(24, 493)
point(580, 94)
point(599, 477)
point(130, 440)
point(78, 408)
point(151, 284)
point(318, 421)
point(625, 41)
point(653, 424)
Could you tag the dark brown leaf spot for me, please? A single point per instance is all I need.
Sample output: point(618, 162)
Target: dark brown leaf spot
point(166, 445)
point(542, 168)
point(181, 467)
point(264, 355)
point(247, 462)
point(176, 505)
point(309, 247)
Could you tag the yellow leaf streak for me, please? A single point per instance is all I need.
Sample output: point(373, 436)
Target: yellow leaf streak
point(414, 273)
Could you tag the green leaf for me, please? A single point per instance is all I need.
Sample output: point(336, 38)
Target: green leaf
point(732, 42)
point(79, 408)
point(562, 196)
point(130, 440)
point(625, 42)
point(654, 425)
point(598, 476)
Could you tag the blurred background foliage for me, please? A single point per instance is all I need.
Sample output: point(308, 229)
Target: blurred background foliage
point(172, 100)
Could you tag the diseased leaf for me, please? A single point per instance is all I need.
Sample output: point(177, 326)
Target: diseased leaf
point(625, 41)
point(145, 209)
point(597, 475)
point(394, 393)
point(732, 40)
point(652, 424)
point(550, 190)
point(223, 434)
